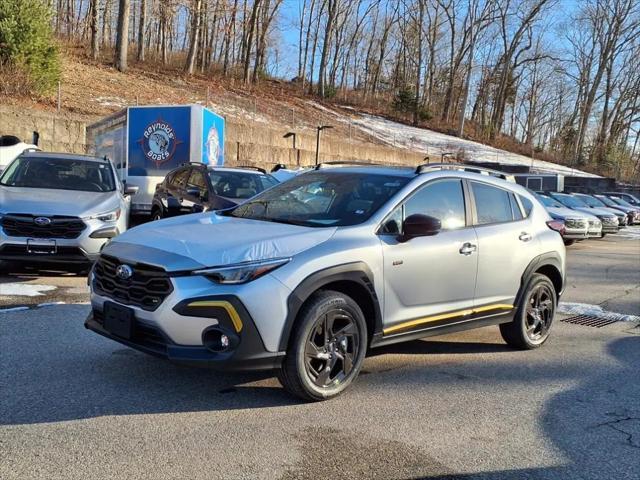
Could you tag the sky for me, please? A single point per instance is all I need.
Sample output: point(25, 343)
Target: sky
point(287, 30)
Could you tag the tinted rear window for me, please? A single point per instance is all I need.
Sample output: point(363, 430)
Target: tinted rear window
point(492, 204)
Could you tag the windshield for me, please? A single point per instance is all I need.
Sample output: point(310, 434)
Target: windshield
point(622, 202)
point(569, 201)
point(323, 199)
point(607, 201)
point(550, 202)
point(59, 174)
point(591, 201)
point(239, 184)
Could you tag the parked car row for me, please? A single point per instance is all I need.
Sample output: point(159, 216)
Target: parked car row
point(303, 276)
point(590, 216)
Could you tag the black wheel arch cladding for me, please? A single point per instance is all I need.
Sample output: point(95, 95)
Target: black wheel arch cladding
point(353, 279)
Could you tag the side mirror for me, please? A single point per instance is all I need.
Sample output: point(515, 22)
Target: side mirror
point(193, 192)
point(130, 190)
point(419, 226)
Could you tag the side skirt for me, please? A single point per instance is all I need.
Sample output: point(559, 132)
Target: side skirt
point(380, 340)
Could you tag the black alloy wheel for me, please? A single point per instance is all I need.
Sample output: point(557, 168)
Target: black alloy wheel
point(327, 347)
point(331, 348)
point(533, 319)
point(540, 311)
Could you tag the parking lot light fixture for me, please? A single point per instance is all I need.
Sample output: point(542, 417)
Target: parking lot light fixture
point(289, 135)
point(319, 129)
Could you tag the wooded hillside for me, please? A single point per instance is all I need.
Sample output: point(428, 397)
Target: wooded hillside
point(562, 80)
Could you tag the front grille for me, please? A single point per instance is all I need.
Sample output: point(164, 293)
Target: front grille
point(20, 225)
point(594, 223)
point(575, 223)
point(147, 288)
point(610, 221)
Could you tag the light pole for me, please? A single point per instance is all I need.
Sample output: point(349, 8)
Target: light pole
point(446, 154)
point(320, 128)
point(291, 134)
point(295, 150)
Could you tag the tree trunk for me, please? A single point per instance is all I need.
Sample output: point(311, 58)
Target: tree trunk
point(326, 45)
point(141, 30)
point(95, 42)
point(249, 43)
point(195, 37)
point(122, 41)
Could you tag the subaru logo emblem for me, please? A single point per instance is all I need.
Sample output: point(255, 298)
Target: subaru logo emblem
point(42, 221)
point(124, 272)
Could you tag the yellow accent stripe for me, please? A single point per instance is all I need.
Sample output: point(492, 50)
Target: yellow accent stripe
point(233, 314)
point(435, 318)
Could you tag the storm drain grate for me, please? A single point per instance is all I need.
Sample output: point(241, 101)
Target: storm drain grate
point(590, 321)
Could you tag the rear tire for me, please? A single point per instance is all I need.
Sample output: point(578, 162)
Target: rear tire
point(569, 242)
point(533, 320)
point(326, 349)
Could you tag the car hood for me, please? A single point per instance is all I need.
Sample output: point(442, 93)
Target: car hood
point(209, 240)
point(559, 212)
point(44, 201)
point(595, 211)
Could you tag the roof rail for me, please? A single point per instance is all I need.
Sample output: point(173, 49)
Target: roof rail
point(251, 167)
point(193, 163)
point(427, 167)
point(349, 163)
point(278, 166)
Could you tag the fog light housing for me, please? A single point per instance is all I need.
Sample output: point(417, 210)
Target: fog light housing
point(216, 340)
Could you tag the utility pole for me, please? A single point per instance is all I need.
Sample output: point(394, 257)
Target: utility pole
point(320, 128)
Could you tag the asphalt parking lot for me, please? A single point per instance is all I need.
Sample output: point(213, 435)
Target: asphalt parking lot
point(75, 405)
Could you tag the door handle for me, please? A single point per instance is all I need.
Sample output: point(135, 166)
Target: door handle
point(525, 237)
point(468, 249)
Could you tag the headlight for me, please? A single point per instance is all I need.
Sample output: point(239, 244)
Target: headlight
point(111, 216)
point(241, 272)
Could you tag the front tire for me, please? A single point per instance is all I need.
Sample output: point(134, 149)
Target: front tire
point(569, 242)
point(156, 214)
point(532, 323)
point(326, 349)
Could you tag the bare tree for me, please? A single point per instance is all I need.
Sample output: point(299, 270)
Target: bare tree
point(122, 41)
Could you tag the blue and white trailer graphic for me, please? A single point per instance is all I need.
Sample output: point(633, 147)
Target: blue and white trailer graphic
point(146, 142)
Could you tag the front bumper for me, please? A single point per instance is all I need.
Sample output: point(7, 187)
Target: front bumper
point(247, 351)
point(575, 234)
point(610, 228)
point(81, 250)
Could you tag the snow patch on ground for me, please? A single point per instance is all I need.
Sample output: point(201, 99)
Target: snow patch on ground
point(228, 109)
point(435, 144)
point(112, 102)
point(632, 232)
point(569, 308)
point(24, 289)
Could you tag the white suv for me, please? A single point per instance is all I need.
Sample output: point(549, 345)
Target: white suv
point(310, 274)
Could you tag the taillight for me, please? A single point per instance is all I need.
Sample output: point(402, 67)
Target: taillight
point(557, 225)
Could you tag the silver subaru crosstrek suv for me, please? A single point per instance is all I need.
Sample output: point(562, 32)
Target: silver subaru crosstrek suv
point(60, 207)
point(309, 275)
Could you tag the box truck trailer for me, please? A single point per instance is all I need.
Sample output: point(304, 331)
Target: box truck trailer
point(146, 142)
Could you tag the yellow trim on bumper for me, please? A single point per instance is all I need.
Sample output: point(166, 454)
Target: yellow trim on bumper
point(444, 316)
point(233, 314)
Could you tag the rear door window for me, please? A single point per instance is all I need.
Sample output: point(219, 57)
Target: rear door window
point(199, 181)
point(179, 179)
point(493, 205)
